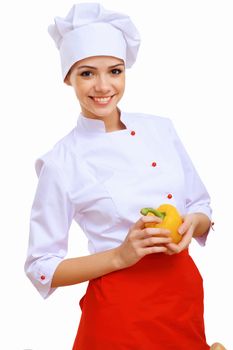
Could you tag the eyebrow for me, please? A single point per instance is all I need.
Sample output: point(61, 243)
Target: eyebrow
point(91, 67)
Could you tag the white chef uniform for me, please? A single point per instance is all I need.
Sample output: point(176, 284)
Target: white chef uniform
point(102, 180)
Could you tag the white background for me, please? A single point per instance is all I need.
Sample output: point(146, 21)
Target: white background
point(184, 72)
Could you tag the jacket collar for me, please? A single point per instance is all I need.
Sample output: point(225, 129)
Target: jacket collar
point(95, 125)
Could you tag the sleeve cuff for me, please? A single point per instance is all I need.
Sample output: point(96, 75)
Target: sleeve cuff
point(41, 273)
point(201, 240)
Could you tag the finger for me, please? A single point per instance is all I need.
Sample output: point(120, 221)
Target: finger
point(184, 226)
point(148, 232)
point(183, 244)
point(151, 219)
point(187, 237)
point(154, 249)
point(173, 248)
point(169, 252)
point(152, 241)
point(140, 224)
point(156, 231)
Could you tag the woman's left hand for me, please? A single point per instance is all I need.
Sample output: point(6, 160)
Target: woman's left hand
point(187, 230)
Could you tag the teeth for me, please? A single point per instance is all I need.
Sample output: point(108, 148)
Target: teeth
point(101, 99)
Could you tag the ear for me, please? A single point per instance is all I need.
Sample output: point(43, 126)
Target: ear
point(67, 80)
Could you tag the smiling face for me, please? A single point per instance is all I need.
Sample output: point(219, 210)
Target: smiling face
point(99, 84)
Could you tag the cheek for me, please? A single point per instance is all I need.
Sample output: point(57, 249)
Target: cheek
point(81, 90)
point(121, 85)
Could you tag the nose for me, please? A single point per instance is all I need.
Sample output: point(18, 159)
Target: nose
point(102, 84)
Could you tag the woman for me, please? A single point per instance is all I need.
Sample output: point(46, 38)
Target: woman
point(145, 292)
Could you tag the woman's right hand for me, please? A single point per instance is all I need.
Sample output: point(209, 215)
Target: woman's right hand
point(141, 241)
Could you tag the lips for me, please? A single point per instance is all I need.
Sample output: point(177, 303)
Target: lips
point(103, 100)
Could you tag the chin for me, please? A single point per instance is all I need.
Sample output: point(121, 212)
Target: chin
point(103, 112)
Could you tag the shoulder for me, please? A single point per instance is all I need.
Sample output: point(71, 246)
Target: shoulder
point(141, 117)
point(59, 156)
point(148, 120)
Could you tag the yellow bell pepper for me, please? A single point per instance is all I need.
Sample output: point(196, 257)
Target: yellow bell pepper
point(171, 219)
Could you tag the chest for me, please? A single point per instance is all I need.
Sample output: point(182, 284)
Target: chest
point(126, 172)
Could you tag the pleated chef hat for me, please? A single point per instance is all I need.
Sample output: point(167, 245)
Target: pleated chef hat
point(91, 30)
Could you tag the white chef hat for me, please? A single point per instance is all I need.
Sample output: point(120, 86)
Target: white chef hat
point(91, 30)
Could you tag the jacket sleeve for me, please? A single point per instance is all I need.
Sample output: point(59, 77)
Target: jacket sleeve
point(51, 217)
point(197, 199)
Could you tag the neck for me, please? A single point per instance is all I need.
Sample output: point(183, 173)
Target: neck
point(115, 126)
point(114, 123)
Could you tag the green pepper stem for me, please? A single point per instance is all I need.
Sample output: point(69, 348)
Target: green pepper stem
point(159, 214)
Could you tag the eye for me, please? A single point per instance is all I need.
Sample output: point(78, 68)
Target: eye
point(86, 74)
point(116, 71)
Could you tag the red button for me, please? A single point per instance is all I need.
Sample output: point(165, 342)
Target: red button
point(133, 133)
point(154, 164)
point(42, 277)
point(169, 196)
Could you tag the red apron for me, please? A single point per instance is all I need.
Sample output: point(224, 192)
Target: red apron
point(157, 304)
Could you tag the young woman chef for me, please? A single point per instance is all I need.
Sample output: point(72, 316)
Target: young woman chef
point(144, 292)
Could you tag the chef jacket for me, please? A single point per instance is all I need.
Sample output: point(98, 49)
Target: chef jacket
point(102, 180)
